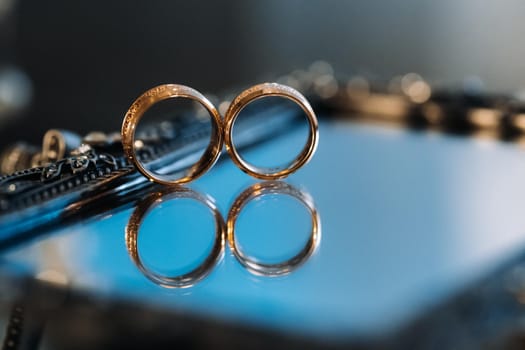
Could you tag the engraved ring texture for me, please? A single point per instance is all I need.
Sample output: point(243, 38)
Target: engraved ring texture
point(257, 92)
point(155, 95)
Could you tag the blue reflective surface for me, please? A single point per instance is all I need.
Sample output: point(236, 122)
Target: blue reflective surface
point(407, 220)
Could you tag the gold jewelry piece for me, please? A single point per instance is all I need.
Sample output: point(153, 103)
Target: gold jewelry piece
point(197, 274)
point(160, 93)
point(257, 92)
point(263, 189)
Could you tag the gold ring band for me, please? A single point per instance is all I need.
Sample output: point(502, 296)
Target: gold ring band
point(201, 271)
point(262, 189)
point(257, 92)
point(164, 92)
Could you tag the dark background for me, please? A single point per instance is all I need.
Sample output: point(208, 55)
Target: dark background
point(87, 61)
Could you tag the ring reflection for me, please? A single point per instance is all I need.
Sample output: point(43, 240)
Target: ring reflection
point(260, 190)
point(140, 213)
point(223, 230)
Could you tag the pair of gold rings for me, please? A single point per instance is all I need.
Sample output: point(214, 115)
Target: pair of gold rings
point(224, 231)
point(221, 131)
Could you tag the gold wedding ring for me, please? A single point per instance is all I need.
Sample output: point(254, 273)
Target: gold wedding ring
point(138, 216)
point(257, 92)
point(260, 190)
point(155, 95)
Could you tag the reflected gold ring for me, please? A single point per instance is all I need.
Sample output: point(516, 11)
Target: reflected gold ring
point(263, 189)
point(137, 217)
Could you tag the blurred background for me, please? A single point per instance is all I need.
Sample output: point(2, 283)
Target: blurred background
point(449, 210)
point(79, 65)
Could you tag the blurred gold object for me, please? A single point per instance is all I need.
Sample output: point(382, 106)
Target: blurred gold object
point(17, 157)
point(257, 92)
point(263, 189)
point(485, 118)
point(160, 93)
point(138, 216)
point(56, 144)
point(518, 121)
